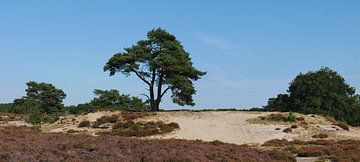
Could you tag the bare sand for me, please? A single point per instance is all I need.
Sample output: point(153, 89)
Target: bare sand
point(238, 127)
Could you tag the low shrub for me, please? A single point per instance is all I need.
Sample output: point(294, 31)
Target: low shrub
point(342, 125)
point(302, 119)
point(108, 119)
point(291, 117)
point(294, 126)
point(135, 115)
point(217, 142)
point(35, 117)
point(311, 151)
point(84, 123)
point(321, 135)
point(141, 129)
point(70, 131)
point(167, 128)
point(274, 117)
point(276, 143)
point(287, 130)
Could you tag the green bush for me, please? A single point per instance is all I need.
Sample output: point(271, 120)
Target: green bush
point(49, 118)
point(322, 92)
point(291, 117)
point(35, 117)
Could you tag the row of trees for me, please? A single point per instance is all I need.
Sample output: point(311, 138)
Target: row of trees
point(43, 102)
point(320, 92)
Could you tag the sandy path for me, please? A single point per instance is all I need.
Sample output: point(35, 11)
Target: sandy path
point(227, 126)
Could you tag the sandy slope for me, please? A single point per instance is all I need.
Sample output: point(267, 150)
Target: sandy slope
point(227, 126)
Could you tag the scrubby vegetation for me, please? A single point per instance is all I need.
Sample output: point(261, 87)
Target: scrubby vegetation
point(42, 103)
point(23, 144)
point(125, 125)
point(109, 100)
point(279, 117)
point(322, 92)
point(141, 129)
point(320, 135)
point(346, 150)
point(84, 123)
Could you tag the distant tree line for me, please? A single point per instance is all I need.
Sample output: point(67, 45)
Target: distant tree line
point(44, 103)
point(320, 92)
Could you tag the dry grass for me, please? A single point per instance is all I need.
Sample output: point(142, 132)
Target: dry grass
point(23, 144)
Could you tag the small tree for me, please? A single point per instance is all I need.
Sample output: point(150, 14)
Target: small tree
point(160, 62)
point(321, 92)
point(46, 95)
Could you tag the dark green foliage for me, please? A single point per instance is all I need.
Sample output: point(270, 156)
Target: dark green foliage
point(280, 103)
point(112, 99)
point(321, 92)
point(35, 117)
point(161, 63)
point(25, 106)
point(6, 107)
point(79, 109)
point(291, 117)
point(48, 96)
point(108, 100)
point(41, 96)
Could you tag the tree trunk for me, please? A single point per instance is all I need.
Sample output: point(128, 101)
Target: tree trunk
point(152, 99)
point(159, 90)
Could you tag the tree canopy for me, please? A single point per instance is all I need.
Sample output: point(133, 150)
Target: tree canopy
point(160, 62)
point(113, 99)
point(320, 92)
point(47, 96)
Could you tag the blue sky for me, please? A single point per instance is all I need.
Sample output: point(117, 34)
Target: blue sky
point(251, 49)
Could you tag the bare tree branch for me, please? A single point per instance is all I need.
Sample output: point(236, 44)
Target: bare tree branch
point(146, 96)
point(141, 77)
point(162, 94)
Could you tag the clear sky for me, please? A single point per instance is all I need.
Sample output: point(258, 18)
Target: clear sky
point(251, 49)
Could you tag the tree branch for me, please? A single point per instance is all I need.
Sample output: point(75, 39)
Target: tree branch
point(146, 96)
point(142, 78)
point(162, 94)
